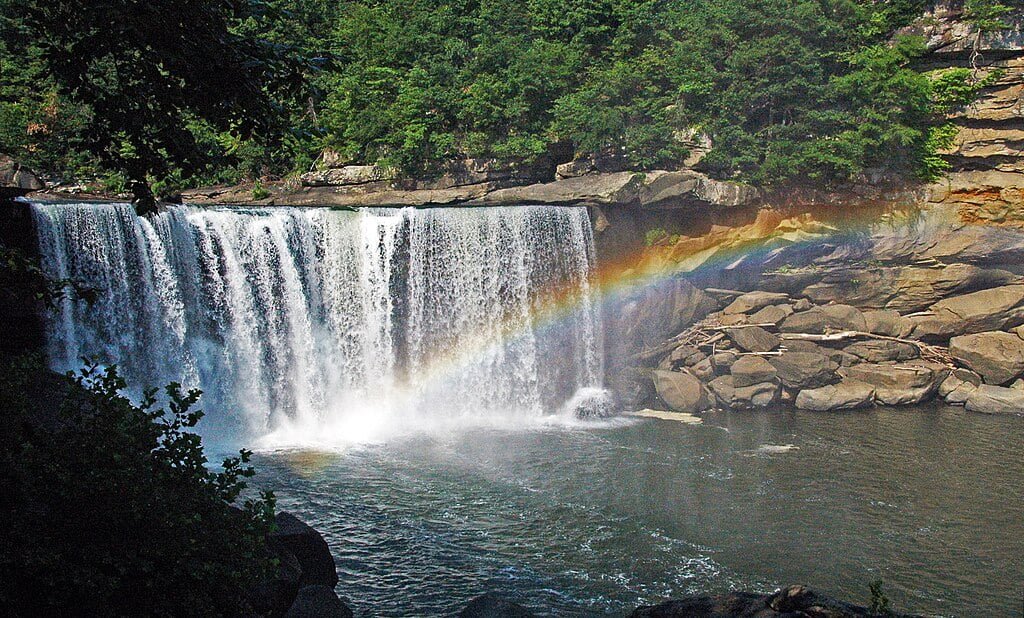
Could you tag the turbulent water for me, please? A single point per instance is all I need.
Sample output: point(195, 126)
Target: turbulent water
point(318, 326)
point(593, 520)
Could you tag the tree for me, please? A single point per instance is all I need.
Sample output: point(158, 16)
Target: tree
point(109, 507)
point(152, 76)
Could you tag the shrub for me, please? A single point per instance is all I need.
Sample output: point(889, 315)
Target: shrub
point(110, 506)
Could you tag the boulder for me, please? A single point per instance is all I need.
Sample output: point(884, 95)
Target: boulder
point(722, 361)
point(308, 546)
point(818, 320)
point(633, 386)
point(723, 390)
point(990, 399)
point(804, 369)
point(750, 370)
point(802, 304)
point(346, 176)
point(884, 322)
point(318, 601)
point(845, 395)
point(753, 339)
point(881, 350)
point(490, 605)
point(704, 370)
point(959, 385)
point(759, 395)
point(772, 314)
point(789, 602)
point(682, 391)
point(752, 301)
point(987, 310)
point(997, 356)
point(902, 384)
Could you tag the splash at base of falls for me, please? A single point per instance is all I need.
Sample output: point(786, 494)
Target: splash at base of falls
point(306, 326)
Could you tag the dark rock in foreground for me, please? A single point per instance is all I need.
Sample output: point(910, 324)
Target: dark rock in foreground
point(491, 605)
point(308, 547)
point(791, 602)
point(318, 602)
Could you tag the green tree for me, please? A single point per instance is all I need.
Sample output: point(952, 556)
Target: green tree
point(152, 76)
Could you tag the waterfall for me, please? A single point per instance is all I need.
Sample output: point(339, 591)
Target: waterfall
point(307, 322)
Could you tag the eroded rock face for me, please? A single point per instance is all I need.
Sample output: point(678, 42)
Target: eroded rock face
point(845, 395)
point(997, 356)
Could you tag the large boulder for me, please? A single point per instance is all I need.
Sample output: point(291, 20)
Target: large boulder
point(752, 301)
point(804, 369)
point(997, 356)
point(753, 339)
point(318, 601)
point(751, 370)
point(682, 391)
point(844, 395)
point(882, 350)
point(308, 547)
point(987, 310)
point(818, 320)
point(772, 314)
point(490, 605)
point(901, 384)
point(990, 399)
point(745, 397)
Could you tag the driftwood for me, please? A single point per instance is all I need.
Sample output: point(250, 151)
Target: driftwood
point(927, 351)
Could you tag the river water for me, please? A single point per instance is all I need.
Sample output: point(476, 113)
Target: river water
point(595, 519)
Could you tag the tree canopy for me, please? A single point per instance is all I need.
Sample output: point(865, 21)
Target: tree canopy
point(208, 91)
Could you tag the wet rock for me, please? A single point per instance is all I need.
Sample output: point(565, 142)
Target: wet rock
point(884, 322)
point(751, 370)
point(759, 395)
point(752, 301)
point(990, 399)
point(682, 391)
point(959, 385)
point(804, 369)
point(634, 386)
point(318, 601)
point(772, 314)
point(790, 602)
point(491, 605)
point(845, 395)
point(308, 546)
point(753, 339)
point(880, 350)
point(899, 384)
point(997, 356)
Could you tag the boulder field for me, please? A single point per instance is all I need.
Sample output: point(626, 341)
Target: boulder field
point(765, 348)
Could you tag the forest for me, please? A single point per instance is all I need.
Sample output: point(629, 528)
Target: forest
point(220, 91)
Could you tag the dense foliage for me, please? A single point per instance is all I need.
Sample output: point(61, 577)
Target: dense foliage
point(819, 90)
point(109, 507)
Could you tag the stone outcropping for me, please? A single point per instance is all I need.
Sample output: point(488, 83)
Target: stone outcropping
point(790, 602)
point(17, 180)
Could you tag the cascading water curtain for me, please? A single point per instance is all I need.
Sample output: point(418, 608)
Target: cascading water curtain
point(309, 322)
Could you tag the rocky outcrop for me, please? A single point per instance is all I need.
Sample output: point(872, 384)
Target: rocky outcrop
point(318, 601)
point(845, 395)
point(17, 180)
point(309, 548)
point(790, 602)
point(989, 399)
